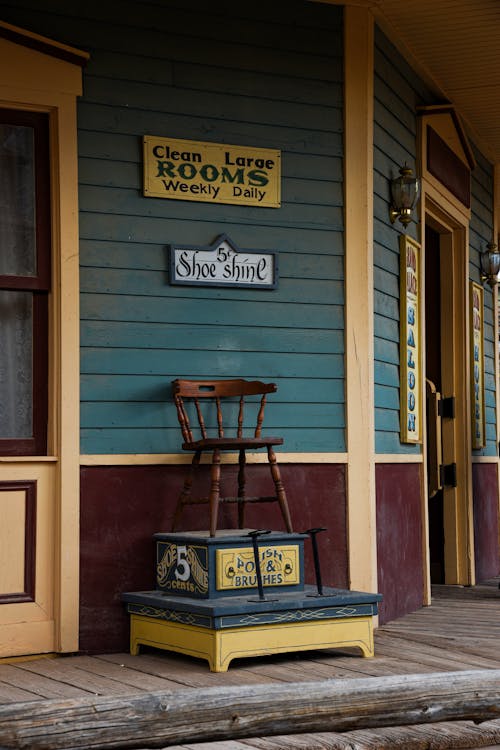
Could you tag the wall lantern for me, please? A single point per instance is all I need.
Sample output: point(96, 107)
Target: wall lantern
point(404, 194)
point(490, 264)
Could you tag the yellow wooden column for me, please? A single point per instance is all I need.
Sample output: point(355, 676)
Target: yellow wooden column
point(496, 327)
point(361, 515)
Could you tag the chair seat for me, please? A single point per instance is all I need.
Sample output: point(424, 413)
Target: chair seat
point(231, 444)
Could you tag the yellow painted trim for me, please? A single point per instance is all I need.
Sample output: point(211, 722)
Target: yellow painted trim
point(453, 225)
point(36, 81)
point(485, 460)
point(50, 43)
point(358, 186)
point(496, 327)
point(180, 459)
point(447, 123)
point(28, 459)
point(219, 647)
point(398, 458)
point(443, 197)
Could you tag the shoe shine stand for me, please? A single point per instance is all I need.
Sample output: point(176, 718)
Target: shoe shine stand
point(241, 593)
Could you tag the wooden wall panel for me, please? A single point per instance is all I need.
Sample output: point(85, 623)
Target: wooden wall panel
point(399, 539)
point(150, 72)
point(17, 541)
point(122, 507)
point(485, 489)
point(192, 70)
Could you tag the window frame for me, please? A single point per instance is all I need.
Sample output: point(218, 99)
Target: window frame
point(38, 285)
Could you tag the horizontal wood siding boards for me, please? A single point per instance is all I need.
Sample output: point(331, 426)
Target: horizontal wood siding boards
point(295, 140)
point(96, 333)
point(243, 74)
point(211, 105)
point(153, 361)
point(133, 415)
point(481, 232)
point(397, 92)
point(157, 388)
point(140, 283)
point(123, 255)
point(210, 311)
point(109, 440)
point(127, 205)
point(153, 230)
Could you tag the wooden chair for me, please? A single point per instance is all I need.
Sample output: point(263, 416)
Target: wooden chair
point(205, 398)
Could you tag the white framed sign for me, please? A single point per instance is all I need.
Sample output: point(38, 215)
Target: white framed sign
point(222, 264)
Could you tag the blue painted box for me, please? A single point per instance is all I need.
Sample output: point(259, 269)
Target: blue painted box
point(196, 565)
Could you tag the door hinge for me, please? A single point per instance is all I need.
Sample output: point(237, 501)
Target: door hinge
point(446, 407)
point(448, 475)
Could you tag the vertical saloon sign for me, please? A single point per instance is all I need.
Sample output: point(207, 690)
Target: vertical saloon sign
point(211, 172)
point(477, 374)
point(410, 346)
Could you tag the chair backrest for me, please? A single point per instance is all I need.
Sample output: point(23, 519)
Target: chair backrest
point(199, 391)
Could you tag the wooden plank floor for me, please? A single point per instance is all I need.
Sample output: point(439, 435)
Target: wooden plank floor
point(460, 631)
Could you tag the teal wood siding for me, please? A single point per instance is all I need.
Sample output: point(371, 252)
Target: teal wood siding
point(257, 75)
point(480, 233)
point(398, 92)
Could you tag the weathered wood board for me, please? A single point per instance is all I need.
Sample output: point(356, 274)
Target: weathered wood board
point(162, 718)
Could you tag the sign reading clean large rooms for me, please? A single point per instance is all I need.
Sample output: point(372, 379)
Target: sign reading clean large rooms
point(211, 172)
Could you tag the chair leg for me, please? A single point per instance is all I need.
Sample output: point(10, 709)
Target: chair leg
point(214, 491)
point(241, 489)
point(280, 490)
point(185, 494)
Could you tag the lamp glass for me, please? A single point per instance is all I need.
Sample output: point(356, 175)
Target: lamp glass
point(490, 264)
point(404, 189)
point(404, 194)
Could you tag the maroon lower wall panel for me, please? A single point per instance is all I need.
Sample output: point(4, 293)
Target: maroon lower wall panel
point(485, 493)
point(123, 506)
point(399, 539)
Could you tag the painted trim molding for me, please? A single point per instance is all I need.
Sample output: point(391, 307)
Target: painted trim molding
point(359, 338)
point(41, 81)
point(179, 459)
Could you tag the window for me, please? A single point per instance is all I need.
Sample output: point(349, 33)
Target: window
point(24, 281)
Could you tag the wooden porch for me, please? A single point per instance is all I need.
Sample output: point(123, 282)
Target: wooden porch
point(459, 632)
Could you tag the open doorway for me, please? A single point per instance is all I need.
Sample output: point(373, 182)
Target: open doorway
point(434, 384)
point(449, 495)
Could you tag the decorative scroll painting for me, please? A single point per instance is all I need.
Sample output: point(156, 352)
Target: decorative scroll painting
point(410, 344)
point(477, 365)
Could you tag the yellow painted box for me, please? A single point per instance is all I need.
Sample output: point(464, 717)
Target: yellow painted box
point(236, 627)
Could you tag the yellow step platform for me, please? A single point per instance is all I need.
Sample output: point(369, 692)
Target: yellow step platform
point(219, 647)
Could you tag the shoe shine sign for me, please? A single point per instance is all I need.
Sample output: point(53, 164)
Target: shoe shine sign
point(211, 172)
point(222, 264)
